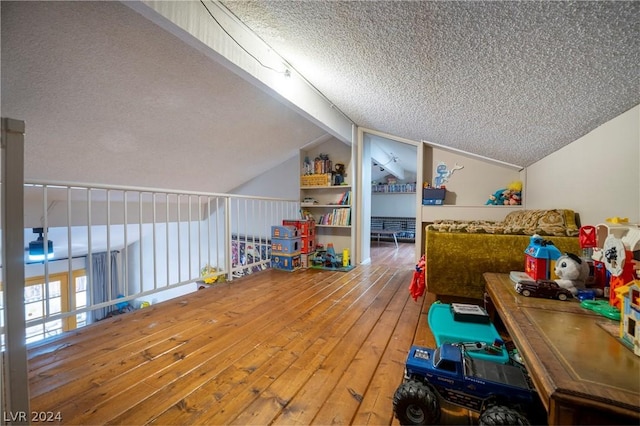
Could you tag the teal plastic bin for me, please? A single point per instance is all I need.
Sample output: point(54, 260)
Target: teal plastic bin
point(447, 330)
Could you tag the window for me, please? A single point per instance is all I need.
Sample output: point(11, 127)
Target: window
point(45, 300)
point(634, 298)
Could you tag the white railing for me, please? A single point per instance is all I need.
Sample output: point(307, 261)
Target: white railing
point(160, 239)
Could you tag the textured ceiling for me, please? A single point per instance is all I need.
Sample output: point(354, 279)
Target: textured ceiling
point(110, 97)
point(513, 81)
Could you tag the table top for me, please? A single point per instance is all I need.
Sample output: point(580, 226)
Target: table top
point(573, 354)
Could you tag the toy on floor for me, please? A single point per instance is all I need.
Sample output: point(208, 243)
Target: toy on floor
point(418, 284)
point(469, 326)
point(572, 272)
point(326, 258)
point(502, 394)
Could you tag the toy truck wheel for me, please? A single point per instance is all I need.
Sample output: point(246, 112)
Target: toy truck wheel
point(497, 415)
point(562, 297)
point(415, 404)
point(526, 292)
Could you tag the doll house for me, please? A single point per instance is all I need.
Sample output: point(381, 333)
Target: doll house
point(629, 296)
point(540, 257)
point(618, 247)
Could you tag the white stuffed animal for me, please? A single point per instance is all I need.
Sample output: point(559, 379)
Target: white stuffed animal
point(572, 272)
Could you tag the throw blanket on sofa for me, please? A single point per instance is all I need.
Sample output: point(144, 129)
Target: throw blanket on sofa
point(555, 222)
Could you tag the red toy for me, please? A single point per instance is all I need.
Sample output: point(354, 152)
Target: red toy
point(540, 257)
point(418, 283)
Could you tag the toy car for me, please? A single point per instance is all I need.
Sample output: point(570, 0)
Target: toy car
point(501, 393)
point(543, 288)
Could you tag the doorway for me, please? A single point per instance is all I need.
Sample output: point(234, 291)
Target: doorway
point(391, 183)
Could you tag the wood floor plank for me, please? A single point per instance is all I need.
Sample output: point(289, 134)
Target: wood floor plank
point(378, 397)
point(274, 398)
point(303, 408)
point(169, 371)
point(128, 365)
point(107, 336)
point(270, 348)
point(229, 351)
point(346, 315)
point(343, 402)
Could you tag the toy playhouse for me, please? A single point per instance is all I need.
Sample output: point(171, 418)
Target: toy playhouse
point(285, 248)
point(307, 231)
point(540, 257)
point(629, 296)
point(618, 247)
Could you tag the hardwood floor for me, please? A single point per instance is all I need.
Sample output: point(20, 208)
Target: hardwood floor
point(307, 347)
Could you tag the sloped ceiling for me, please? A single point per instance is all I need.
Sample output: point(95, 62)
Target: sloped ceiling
point(109, 97)
point(512, 81)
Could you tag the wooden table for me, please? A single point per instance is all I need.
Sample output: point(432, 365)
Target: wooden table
point(583, 373)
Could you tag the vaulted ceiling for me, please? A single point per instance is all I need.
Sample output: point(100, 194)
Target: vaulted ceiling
point(109, 96)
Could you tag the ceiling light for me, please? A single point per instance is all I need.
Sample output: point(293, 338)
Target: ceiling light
point(37, 247)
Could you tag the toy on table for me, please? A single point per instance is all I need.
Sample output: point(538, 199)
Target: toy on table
point(572, 272)
point(539, 258)
point(587, 238)
point(602, 307)
point(548, 289)
point(629, 296)
point(617, 253)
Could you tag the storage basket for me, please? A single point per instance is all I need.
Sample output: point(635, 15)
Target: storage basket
point(323, 179)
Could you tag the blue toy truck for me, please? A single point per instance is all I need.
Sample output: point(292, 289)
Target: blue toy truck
point(501, 393)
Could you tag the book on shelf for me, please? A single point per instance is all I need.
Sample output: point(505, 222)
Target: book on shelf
point(395, 188)
point(345, 198)
point(337, 217)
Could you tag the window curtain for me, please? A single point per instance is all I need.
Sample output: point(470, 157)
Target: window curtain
point(101, 290)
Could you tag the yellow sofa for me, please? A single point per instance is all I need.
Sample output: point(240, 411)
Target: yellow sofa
point(457, 253)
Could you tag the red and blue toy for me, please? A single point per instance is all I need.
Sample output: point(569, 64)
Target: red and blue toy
point(540, 258)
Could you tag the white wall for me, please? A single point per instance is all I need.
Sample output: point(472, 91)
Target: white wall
point(597, 175)
point(393, 204)
point(473, 184)
point(279, 182)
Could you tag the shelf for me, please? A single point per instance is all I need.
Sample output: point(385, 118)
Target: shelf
point(391, 193)
point(330, 205)
point(326, 187)
point(460, 212)
point(339, 206)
